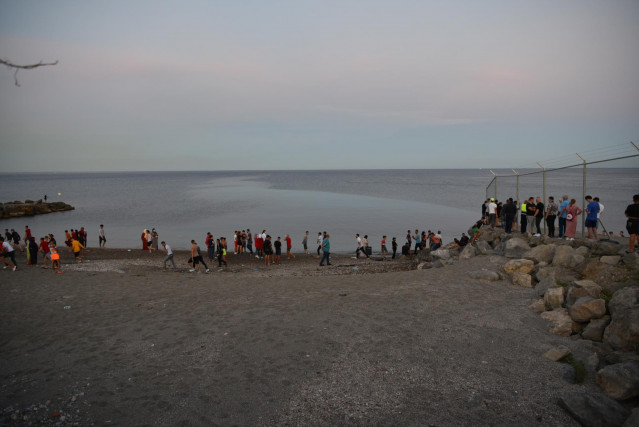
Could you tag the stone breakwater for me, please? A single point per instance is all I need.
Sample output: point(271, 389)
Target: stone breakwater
point(586, 291)
point(30, 208)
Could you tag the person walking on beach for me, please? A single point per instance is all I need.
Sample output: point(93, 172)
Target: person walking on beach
point(101, 237)
point(78, 249)
point(394, 247)
point(268, 250)
point(55, 258)
point(221, 252)
point(46, 252)
point(551, 215)
point(145, 242)
point(278, 250)
point(326, 251)
point(305, 243)
point(563, 212)
point(573, 211)
point(632, 223)
point(319, 243)
point(592, 211)
point(249, 241)
point(169, 255)
point(16, 240)
point(384, 251)
point(27, 236)
point(196, 257)
point(358, 240)
point(289, 246)
point(154, 240)
point(8, 252)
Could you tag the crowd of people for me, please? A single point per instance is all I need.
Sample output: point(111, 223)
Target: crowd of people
point(564, 214)
point(531, 212)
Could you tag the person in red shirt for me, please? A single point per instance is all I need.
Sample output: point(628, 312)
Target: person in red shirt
point(289, 246)
point(46, 253)
point(27, 235)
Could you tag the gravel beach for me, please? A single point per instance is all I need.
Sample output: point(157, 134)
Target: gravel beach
point(117, 341)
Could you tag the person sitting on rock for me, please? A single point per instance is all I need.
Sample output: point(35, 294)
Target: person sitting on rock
point(463, 241)
point(476, 230)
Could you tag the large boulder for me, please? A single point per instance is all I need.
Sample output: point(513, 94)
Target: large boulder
point(624, 299)
point(605, 248)
point(558, 321)
point(554, 297)
point(515, 247)
point(565, 256)
point(631, 260)
point(441, 254)
point(599, 272)
point(557, 353)
point(610, 259)
point(484, 248)
point(620, 381)
point(541, 253)
point(586, 308)
point(538, 306)
point(582, 288)
point(548, 282)
point(525, 266)
point(468, 252)
point(623, 331)
point(594, 330)
point(522, 279)
point(594, 410)
point(544, 272)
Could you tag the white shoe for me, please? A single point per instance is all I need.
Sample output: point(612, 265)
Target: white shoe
point(207, 270)
point(15, 267)
point(191, 270)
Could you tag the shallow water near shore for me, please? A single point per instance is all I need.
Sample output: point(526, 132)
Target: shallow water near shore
point(185, 205)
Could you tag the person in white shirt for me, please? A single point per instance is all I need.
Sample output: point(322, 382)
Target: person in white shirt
point(169, 255)
point(7, 251)
point(359, 245)
point(492, 213)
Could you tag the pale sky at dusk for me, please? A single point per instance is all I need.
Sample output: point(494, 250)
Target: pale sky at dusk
point(211, 85)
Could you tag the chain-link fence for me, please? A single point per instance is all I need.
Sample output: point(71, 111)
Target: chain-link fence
point(558, 177)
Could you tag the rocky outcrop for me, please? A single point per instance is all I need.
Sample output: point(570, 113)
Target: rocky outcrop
point(30, 208)
point(586, 309)
point(559, 322)
point(594, 410)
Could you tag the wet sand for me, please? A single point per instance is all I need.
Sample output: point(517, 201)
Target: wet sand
point(291, 344)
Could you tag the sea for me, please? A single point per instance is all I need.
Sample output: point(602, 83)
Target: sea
point(186, 205)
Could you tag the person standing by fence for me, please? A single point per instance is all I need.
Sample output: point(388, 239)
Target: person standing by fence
point(632, 223)
point(551, 215)
point(573, 211)
point(563, 212)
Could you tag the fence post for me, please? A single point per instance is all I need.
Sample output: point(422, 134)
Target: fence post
point(543, 195)
point(518, 201)
point(583, 200)
point(495, 179)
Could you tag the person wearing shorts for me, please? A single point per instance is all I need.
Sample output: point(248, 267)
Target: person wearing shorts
point(101, 236)
point(305, 243)
point(278, 250)
point(632, 224)
point(196, 257)
point(592, 209)
point(383, 248)
point(77, 248)
point(8, 252)
point(289, 246)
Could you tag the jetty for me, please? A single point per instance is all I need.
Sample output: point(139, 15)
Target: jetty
point(17, 208)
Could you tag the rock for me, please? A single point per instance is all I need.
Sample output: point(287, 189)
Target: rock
point(484, 248)
point(491, 276)
point(438, 264)
point(441, 254)
point(559, 321)
point(569, 374)
point(565, 256)
point(525, 266)
point(582, 288)
point(594, 410)
point(548, 282)
point(599, 272)
point(515, 247)
point(583, 251)
point(624, 299)
point(610, 259)
point(633, 419)
point(538, 306)
point(468, 252)
point(620, 381)
point(620, 357)
point(605, 248)
point(631, 260)
point(595, 329)
point(554, 298)
point(542, 253)
point(586, 308)
point(623, 331)
point(521, 279)
point(557, 353)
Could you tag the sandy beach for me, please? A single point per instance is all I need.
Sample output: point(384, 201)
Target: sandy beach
point(116, 341)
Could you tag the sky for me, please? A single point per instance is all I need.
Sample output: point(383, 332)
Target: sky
point(254, 85)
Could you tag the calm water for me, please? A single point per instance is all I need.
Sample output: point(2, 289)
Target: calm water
point(185, 205)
